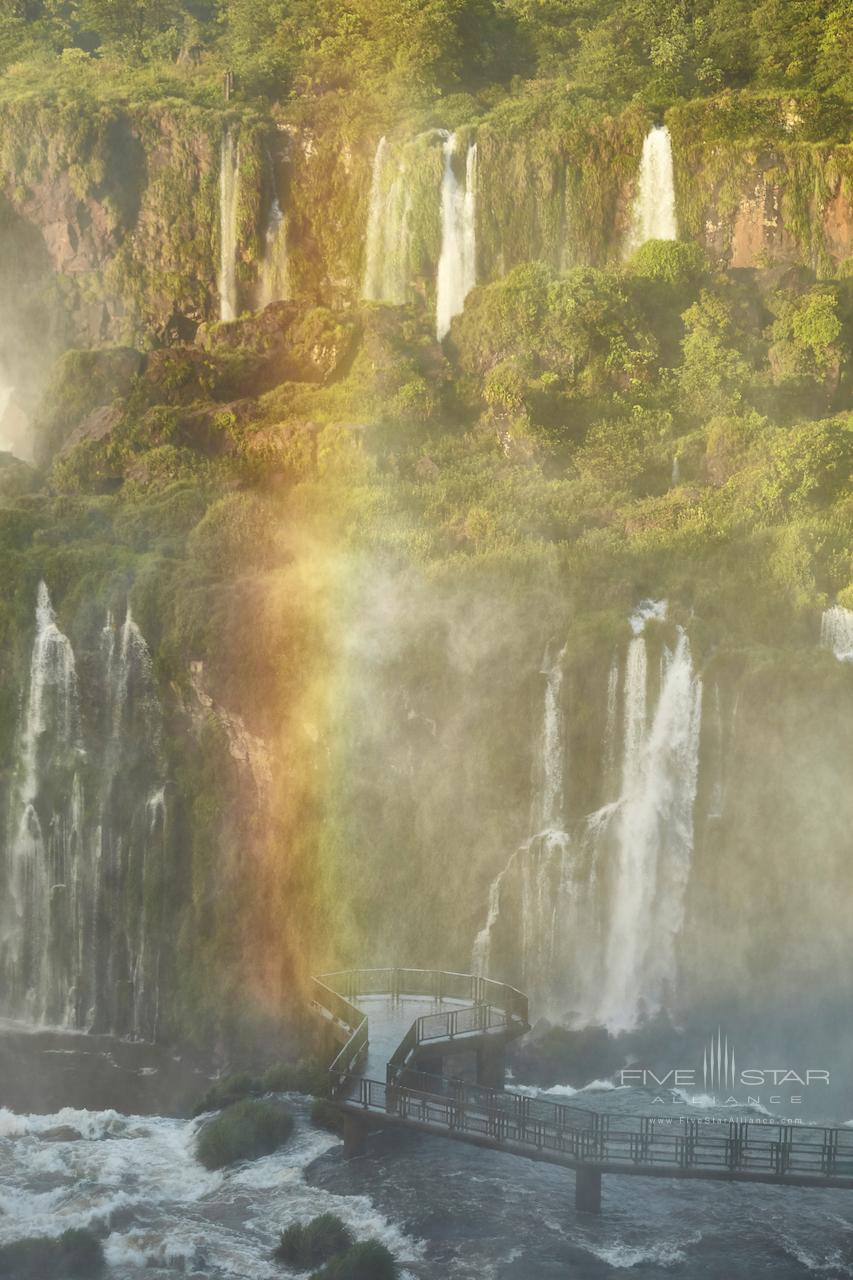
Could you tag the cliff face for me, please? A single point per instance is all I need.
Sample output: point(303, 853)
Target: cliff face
point(455, 652)
point(111, 223)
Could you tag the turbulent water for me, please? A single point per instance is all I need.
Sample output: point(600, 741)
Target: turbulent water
point(444, 1209)
point(653, 215)
point(86, 840)
point(601, 898)
point(229, 182)
point(457, 264)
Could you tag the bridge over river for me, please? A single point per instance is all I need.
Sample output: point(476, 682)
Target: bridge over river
point(426, 1050)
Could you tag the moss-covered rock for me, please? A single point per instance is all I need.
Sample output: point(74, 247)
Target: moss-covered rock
point(245, 1130)
point(311, 1244)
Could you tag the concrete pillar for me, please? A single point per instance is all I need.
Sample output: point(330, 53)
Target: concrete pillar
point(355, 1135)
point(587, 1190)
point(491, 1066)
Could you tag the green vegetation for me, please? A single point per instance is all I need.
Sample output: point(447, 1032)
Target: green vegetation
point(307, 1076)
point(325, 1115)
point(76, 1253)
point(369, 1260)
point(243, 1131)
point(612, 49)
point(592, 431)
point(311, 1244)
point(583, 439)
point(328, 1244)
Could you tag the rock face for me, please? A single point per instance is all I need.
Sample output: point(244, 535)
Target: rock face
point(758, 227)
point(755, 223)
point(110, 225)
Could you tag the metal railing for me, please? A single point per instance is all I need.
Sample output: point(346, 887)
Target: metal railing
point(435, 984)
point(351, 1019)
point(492, 1005)
point(622, 1143)
point(536, 1126)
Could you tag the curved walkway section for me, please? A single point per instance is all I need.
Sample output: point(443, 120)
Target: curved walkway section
point(402, 1027)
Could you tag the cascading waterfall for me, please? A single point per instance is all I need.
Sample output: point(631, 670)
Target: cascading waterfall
point(274, 279)
point(229, 183)
point(543, 866)
point(601, 899)
point(132, 821)
point(549, 784)
point(650, 842)
point(457, 264)
point(387, 265)
point(653, 215)
point(836, 632)
point(87, 840)
point(274, 273)
point(45, 834)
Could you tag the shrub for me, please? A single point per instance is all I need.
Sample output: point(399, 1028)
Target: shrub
point(227, 1091)
point(244, 1131)
point(367, 1261)
point(325, 1115)
point(676, 262)
point(305, 1076)
point(76, 1253)
point(311, 1244)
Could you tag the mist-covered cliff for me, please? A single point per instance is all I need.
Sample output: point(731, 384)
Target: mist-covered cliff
point(438, 544)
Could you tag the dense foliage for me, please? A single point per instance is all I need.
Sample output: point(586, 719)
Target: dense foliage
point(614, 49)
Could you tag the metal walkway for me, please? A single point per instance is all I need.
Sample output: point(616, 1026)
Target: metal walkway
point(396, 1024)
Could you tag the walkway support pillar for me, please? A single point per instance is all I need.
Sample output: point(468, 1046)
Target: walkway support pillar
point(491, 1066)
point(355, 1135)
point(587, 1190)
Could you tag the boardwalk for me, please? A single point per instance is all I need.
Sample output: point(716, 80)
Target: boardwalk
point(425, 1050)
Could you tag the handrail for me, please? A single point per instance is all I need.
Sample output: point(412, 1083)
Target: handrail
point(804, 1153)
point(491, 1002)
point(780, 1151)
point(351, 1018)
point(437, 984)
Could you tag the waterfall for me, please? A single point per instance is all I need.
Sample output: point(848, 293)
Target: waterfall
point(274, 281)
point(482, 951)
point(88, 825)
point(457, 264)
point(229, 181)
point(543, 864)
point(45, 829)
point(653, 216)
point(550, 766)
point(389, 230)
point(595, 905)
point(129, 840)
point(274, 273)
point(836, 632)
point(653, 836)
